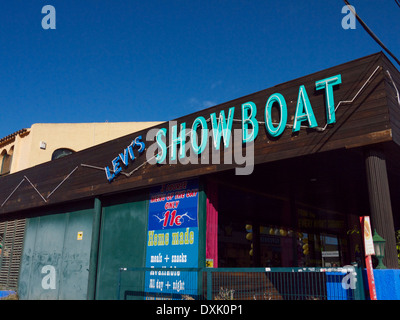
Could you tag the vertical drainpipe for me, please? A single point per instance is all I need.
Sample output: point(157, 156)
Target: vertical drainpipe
point(94, 251)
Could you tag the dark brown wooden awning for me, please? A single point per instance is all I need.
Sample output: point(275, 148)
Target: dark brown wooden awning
point(368, 113)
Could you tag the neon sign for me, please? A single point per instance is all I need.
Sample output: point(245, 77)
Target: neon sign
point(124, 158)
point(218, 127)
point(221, 125)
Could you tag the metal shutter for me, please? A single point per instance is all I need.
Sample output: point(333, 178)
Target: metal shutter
point(11, 239)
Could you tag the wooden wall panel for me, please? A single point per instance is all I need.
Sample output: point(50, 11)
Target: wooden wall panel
point(393, 102)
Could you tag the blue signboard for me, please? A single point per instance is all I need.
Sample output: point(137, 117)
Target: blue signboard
point(173, 239)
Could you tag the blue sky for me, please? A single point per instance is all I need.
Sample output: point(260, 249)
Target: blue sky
point(153, 60)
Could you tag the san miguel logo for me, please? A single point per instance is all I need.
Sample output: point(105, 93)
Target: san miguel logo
point(173, 214)
point(169, 200)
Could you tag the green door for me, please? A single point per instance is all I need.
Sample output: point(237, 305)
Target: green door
point(122, 241)
point(55, 258)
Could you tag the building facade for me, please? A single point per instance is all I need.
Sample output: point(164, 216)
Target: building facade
point(47, 141)
point(40, 143)
point(278, 178)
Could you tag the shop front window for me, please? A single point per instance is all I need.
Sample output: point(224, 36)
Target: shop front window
point(277, 246)
point(255, 230)
point(262, 230)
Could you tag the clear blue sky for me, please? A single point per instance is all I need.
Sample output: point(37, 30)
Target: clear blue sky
point(112, 60)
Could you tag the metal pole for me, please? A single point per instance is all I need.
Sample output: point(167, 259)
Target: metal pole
point(94, 250)
point(359, 291)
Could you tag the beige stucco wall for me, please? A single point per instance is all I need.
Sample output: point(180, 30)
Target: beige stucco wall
point(75, 136)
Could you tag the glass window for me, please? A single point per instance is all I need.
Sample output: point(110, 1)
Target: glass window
point(254, 230)
point(6, 162)
point(59, 153)
point(330, 250)
point(258, 229)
